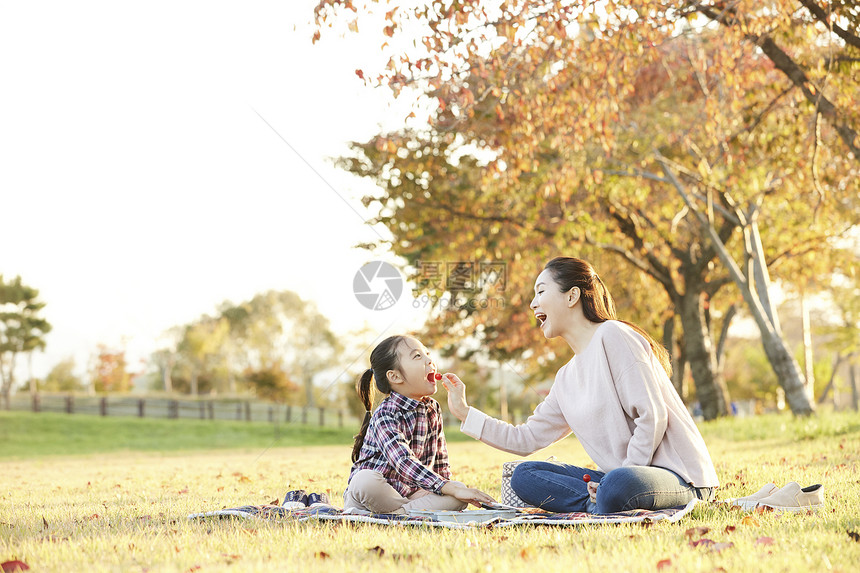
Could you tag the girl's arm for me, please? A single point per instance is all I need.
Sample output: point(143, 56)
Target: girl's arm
point(546, 426)
point(440, 464)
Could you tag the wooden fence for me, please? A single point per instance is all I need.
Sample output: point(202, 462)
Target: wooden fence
point(171, 408)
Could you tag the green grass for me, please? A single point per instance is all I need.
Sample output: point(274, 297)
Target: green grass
point(25, 434)
point(125, 511)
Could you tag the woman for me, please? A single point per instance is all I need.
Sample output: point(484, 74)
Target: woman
point(614, 395)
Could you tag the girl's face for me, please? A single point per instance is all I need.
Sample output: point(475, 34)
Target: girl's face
point(415, 364)
point(550, 305)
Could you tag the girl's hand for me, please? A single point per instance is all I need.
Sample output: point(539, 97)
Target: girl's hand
point(467, 494)
point(592, 490)
point(456, 396)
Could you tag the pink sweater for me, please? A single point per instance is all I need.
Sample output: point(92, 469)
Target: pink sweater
point(618, 401)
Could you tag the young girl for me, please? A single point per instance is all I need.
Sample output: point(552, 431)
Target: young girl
point(400, 459)
point(614, 395)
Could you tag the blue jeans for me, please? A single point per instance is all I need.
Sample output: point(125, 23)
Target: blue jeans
point(560, 488)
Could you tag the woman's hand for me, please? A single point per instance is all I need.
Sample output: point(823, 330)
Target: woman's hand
point(456, 396)
point(468, 494)
point(592, 491)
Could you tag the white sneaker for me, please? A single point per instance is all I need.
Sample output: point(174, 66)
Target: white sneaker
point(794, 498)
point(750, 501)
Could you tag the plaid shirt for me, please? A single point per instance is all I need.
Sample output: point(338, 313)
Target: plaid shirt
point(406, 444)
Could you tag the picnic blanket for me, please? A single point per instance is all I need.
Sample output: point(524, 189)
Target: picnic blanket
point(329, 513)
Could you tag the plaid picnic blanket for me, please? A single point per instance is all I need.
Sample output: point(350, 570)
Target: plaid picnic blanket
point(329, 513)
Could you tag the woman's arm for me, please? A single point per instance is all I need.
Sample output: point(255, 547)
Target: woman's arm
point(546, 426)
point(642, 402)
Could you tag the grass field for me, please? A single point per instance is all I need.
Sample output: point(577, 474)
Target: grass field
point(68, 508)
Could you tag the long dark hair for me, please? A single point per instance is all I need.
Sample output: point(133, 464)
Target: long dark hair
point(382, 359)
point(597, 303)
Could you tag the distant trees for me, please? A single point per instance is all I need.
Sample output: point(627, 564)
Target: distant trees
point(22, 329)
point(273, 345)
point(62, 378)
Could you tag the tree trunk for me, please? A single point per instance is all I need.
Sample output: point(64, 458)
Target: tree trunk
point(193, 382)
point(824, 393)
point(784, 365)
point(309, 390)
point(855, 392)
point(700, 354)
point(669, 344)
point(787, 370)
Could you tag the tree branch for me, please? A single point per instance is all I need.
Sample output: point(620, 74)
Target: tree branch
point(823, 17)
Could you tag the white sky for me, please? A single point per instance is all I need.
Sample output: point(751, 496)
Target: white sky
point(138, 186)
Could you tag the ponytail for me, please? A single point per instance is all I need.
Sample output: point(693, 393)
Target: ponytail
point(365, 394)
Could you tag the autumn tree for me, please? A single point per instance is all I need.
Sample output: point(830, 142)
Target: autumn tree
point(22, 329)
point(109, 371)
point(635, 128)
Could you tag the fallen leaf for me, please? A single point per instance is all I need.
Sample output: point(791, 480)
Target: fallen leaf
point(194, 568)
point(764, 541)
point(9, 566)
point(663, 563)
point(527, 552)
point(751, 521)
point(721, 546)
point(854, 535)
point(704, 542)
point(763, 509)
point(378, 550)
point(183, 491)
point(321, 555)
point(730, 528)
point(44, 523)
point(696, 532)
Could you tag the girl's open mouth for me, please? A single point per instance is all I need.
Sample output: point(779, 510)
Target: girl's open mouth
point(541, 317)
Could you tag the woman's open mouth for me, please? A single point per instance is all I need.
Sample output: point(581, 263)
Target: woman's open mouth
point(541, 317)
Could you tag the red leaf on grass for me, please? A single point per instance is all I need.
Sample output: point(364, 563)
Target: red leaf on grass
point(730, 528)
point(696, 532)
point(15, 565)
point(378, 550)
point(750, 520)
point(321, 555)
point(663, 563)
point(711, 545)
point(764, 541)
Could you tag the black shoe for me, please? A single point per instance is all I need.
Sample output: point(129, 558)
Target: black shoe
point(295, 499)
